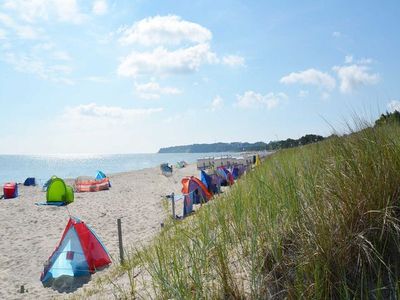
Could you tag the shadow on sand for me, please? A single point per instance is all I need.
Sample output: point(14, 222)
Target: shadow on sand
point(67, 284)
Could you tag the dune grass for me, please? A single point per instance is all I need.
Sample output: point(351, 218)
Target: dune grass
point(319, 221)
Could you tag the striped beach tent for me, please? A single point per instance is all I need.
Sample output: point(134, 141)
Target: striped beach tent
point(85, 184)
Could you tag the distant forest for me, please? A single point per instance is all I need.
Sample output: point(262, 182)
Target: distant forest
point(242, 147)
point(388, 117)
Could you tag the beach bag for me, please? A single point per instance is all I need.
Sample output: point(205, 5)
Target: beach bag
point(30, 181)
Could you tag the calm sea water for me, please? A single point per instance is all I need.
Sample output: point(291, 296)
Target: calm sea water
point(19, 167)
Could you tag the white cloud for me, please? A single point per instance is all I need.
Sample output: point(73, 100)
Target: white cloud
point(28, 11)
point(252, 99)
point(42, 59)
point(117, 130)
point(311, 77)
point(161, 61)
point(68, 11)
point(49, 50)
point(353, 76)
point(22, 31)
point(34, 65)
point(164, 30)
point(348, 59)
point(100, 7)
point(365, 61)
point(43, 47)
point(174, 46)
point(152, 90)
point(61, 55)
point(92, 110)
point(217, 103)
point(33, 11)
point(233, 60)
point(393, 105)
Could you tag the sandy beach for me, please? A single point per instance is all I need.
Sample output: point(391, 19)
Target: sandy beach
point(29, 233)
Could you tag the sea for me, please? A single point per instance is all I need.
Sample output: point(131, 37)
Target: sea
point(17, 168)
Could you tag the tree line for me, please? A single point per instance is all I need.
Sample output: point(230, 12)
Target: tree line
point(242, 147)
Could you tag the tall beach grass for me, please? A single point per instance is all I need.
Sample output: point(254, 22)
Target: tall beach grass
point(319, 221)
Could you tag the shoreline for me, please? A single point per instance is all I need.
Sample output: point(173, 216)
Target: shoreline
point(17, 169)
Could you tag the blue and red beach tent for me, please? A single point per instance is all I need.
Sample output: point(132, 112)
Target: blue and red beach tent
point(229, 177)
point(211, 182)
point(205, 179)
point(80, 252)
point(235, 172)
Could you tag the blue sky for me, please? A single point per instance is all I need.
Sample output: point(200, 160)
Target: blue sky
point(109, 76)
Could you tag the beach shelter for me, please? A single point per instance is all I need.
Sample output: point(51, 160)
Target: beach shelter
point(228, 175)
point(235, 172)
point(10, 190)
point(215, 183)
point(242, 170)
point(166, 169)
point(211, 182)
point(30, 181)
point(205, 179)
point(194, 192)
point(87, 184)
point(58, 193)
point(79, 252)
point(100, 175)
point(181, 164)
point(222, 175)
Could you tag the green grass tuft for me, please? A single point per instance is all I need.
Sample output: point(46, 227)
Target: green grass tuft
point(319, 221)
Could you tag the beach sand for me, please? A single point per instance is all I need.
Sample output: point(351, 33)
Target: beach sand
point(30, 233)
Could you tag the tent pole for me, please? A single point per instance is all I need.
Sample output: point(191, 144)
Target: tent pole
point(173, 205)
point(121, 248)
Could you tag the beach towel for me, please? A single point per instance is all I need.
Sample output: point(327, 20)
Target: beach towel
point(51, 203)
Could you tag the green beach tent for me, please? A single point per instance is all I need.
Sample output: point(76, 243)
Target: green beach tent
point(58, 192)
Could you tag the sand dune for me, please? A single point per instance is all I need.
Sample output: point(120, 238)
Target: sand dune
point(29, 233)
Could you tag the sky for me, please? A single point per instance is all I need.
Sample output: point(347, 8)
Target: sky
point(131, 76)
